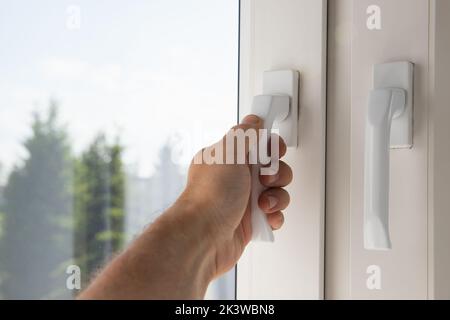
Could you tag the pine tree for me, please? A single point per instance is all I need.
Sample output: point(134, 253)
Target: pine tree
point(37, 239)
point(99, 203)
point(117, 185)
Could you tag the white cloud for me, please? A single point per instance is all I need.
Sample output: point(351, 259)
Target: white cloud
point(105, 76)
point(65, 68)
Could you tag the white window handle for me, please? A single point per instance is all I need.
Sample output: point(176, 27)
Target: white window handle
point(278, 105)
point(384, 105)
point(388, 126)
point(269, 109)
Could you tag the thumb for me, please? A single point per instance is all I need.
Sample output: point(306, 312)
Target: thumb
point(235, 146)
point(253, 121)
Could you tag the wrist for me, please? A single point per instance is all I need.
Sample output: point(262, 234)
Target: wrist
point(186, 231)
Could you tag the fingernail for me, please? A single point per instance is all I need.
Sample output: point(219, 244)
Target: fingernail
point(273, 201)
point(251, 119)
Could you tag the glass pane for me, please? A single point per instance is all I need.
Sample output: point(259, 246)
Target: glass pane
point(102, 106)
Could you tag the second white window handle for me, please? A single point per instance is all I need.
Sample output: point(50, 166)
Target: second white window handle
point(384, 105)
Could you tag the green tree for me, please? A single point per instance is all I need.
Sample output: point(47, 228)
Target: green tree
point(99, 205)
point(37, 239)
point(117, 185)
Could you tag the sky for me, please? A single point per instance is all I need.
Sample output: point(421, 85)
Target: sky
point(149, 71)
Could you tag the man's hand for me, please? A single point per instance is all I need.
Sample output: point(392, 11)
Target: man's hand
point(200, 237)
point(224, 192)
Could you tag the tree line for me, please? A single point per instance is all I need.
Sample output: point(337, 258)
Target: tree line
point(59, 209)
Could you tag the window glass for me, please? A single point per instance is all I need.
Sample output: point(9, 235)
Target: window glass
point(102, 106)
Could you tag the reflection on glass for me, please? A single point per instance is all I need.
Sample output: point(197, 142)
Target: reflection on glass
point(102, 105)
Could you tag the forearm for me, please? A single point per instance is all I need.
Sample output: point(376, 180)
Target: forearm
point(172, 259)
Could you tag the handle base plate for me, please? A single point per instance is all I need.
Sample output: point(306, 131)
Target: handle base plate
point(398, 75)
point(285, 82)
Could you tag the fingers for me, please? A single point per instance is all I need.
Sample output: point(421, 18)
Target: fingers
point(276, 220)
point(273, 200)
point(235, 146)
point(281, 179)
point(252, 122)
point(282, 145)
point(241, 138)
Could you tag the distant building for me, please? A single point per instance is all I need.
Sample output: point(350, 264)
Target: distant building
point(147, 197)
